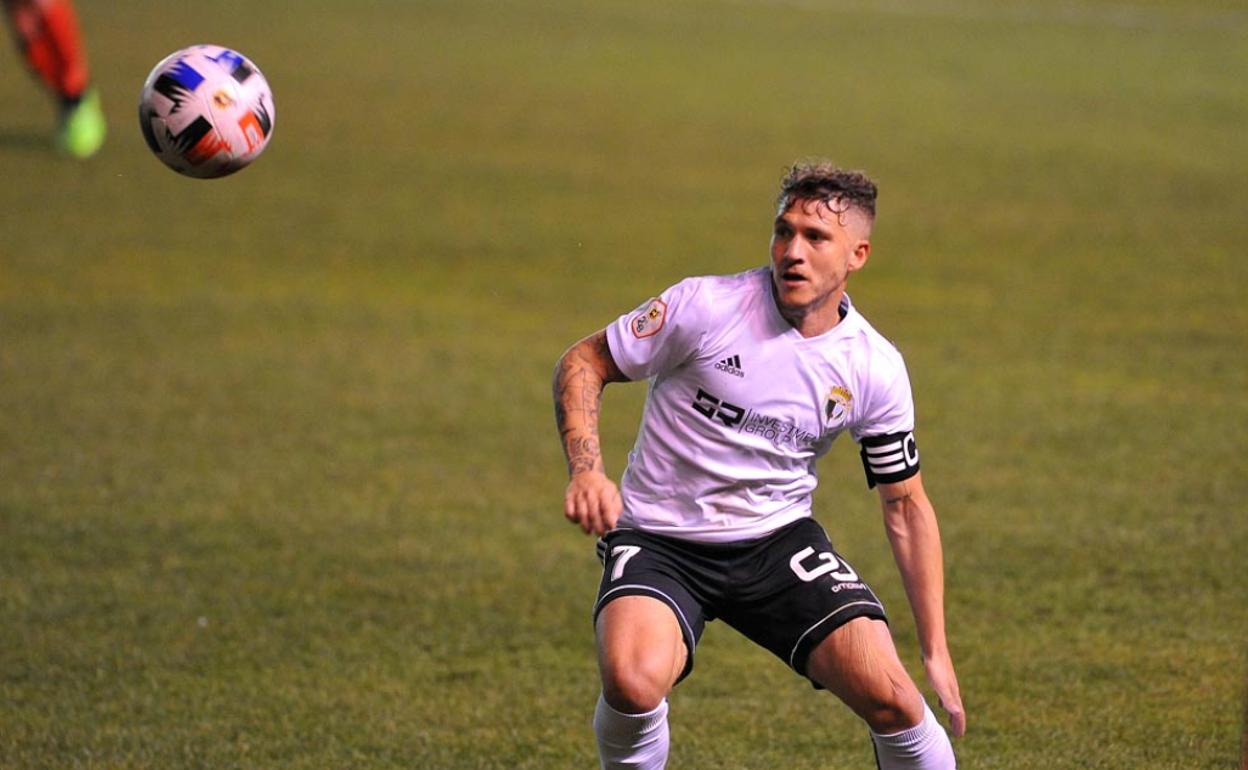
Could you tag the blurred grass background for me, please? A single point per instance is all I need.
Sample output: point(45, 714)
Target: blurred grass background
point(279, 483)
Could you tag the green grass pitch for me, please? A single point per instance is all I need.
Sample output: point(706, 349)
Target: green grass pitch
point(279, 481)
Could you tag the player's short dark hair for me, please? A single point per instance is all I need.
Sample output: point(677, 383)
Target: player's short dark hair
point(824, 181)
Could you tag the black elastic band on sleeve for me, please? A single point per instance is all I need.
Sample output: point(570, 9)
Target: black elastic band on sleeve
point(889, 459)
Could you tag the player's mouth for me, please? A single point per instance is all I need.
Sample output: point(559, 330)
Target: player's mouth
point(792, 278)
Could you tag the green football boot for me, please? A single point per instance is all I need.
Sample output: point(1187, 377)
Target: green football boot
point(82, 126)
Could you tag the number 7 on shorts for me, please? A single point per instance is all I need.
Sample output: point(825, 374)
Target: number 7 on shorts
point(620, 556)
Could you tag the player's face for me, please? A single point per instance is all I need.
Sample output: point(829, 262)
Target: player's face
point(814, 248)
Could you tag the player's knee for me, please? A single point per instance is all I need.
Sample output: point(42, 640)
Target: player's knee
point(891, 706)
point(635, 689)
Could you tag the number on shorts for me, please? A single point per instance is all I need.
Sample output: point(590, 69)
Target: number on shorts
point(830, 563)
point(621, 554)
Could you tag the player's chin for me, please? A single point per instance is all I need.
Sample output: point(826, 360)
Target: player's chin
point(793, 295)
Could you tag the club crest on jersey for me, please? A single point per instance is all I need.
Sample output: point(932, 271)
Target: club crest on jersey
point(836, 407)
point(649, 319)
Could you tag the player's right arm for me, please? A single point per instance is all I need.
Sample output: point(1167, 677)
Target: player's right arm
point(592, 500)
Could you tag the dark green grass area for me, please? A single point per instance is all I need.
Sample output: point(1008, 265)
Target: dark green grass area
point(279, 481)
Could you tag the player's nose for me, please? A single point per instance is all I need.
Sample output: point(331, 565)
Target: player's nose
point(795, 251)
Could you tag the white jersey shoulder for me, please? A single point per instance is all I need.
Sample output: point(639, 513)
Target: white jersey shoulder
point(664, 328)
point(741, 405)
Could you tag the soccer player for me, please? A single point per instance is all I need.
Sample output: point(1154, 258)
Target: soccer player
point(751, 378)
point(51, 42)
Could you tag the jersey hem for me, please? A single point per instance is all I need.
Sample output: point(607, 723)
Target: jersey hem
point(696, 534)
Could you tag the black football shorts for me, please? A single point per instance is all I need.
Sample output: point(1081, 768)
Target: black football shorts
point(786, 591)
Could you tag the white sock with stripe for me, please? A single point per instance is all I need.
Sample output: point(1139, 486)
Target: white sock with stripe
point(631, 741)
point(923, 747)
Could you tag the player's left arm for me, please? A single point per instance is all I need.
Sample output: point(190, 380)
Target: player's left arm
point(910, 521)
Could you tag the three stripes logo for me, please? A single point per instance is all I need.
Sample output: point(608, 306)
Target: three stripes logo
point(731, 365)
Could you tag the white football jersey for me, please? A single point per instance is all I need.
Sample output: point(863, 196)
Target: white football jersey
point(741, 405)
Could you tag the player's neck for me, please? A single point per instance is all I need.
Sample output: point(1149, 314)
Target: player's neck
point(813, 320)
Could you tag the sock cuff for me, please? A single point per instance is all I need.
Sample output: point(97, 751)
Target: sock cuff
point(640, 722)
point(912, 735)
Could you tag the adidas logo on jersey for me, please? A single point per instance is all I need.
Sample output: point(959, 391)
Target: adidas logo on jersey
point(731, 365)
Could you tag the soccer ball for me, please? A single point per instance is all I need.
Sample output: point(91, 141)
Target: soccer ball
point(206, 111)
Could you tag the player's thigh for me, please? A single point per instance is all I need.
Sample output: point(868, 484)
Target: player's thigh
point(641, 642)
point(641, 652)
point(858, 663)
point(798, 590)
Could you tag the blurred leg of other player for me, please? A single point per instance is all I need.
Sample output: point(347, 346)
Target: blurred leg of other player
point(51, 42)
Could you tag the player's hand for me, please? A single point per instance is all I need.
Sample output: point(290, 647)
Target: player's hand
point(592, 502)
point(945, 683)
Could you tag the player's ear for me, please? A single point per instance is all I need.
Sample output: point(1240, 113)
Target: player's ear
point(862, 252)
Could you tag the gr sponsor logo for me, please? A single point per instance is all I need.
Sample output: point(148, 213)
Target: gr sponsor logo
point(714, 409)
point(782, 433)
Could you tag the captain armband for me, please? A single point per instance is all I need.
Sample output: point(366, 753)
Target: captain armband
point(889, 459)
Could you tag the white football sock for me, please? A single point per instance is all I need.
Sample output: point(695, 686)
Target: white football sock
point(923, 747)
point(631, 741)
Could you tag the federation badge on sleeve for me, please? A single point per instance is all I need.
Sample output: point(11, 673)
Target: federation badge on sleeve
point(648, 319)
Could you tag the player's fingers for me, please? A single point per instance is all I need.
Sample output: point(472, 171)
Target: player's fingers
point(608, 523)
point(951, 702)
point(576, 508)
point(957, 720)
point(593, 519)
point(611, 509)
point(945, 682)
point(573, 505)
point(587, 513)
point(595, 508)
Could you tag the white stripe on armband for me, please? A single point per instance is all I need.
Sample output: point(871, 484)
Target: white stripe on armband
point(889, 458)
point(883, 469)
point(876, 451)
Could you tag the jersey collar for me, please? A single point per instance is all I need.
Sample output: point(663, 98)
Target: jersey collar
point(848, 322)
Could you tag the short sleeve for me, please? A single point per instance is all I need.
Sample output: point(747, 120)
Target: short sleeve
point(662, 333)
point(889, 403)
point(885, 432)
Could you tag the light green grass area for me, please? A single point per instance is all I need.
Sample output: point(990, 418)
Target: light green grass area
point(279, 480)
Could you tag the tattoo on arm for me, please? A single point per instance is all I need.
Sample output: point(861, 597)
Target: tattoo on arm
point(583, 454)
point(580, 377)
point(901, 493)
